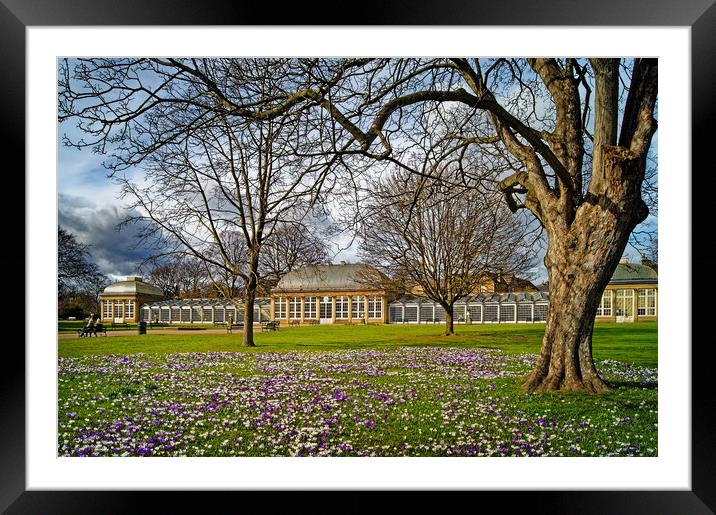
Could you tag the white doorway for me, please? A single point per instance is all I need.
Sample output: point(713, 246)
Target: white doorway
point(118, 312)
point(325, 310)
point(624, 305)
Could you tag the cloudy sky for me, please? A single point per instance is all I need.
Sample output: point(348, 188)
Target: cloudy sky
point(89, 207)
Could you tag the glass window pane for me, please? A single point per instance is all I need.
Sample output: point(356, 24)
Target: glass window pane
point(426, 313)
point(476, 313)
point(491, 313)
point(507, 313)
point(280, 307)
point(207, 315)
point(309, 307)
point(358, 306)
point(524, 312)
point(326, 307)
point(342, 307)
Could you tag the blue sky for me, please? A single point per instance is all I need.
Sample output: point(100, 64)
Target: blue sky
point(90, 207)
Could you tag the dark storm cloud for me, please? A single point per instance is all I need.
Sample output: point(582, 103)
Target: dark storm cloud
point(115, 251)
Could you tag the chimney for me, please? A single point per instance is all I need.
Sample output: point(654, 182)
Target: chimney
point(134, 278)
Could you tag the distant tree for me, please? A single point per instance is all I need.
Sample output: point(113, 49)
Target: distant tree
point(75, 269)
point(164, 274)
point(650, 253)
point(646, 244)
point(444, 240)
point(292, 245)
point(79, 280)
point(178, 275)
point(194, 279)
point(77, 274)
point(67, 308)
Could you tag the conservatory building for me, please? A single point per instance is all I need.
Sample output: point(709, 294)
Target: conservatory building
point(631, 295)
point(120, 301)
point(490, 308)
point(202, 311)
point(330, 294)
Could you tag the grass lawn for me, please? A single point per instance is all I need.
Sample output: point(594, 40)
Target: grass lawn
point(389, 390)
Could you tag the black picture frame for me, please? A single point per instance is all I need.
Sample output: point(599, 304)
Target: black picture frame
point(17, 15)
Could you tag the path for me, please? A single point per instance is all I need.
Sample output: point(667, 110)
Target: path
point(218, 330)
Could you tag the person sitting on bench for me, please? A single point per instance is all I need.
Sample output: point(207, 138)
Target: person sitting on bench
point(89, 328)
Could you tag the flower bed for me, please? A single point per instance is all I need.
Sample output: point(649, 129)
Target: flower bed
point(401, 402)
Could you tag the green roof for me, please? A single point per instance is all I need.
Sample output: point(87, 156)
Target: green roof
point(633, 273)
point(348, 276)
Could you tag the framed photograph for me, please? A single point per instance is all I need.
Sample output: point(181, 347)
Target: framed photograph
point(35, 36)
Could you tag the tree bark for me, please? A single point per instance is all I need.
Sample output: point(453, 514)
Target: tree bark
point(248, 334)
point(249, 298)
point(580, 262)
point(565, 361)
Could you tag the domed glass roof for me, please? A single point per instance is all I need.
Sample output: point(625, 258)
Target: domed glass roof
point(133, 285)
point(350, 276)
point(632, 272)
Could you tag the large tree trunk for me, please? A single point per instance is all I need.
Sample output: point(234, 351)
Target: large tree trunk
point(565, 361)
point(580, 260)
point(449, 330)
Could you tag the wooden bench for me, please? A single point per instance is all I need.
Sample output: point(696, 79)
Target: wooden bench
point(269, 326)
point(95, 330)
point(294, 323)
point(123, 325)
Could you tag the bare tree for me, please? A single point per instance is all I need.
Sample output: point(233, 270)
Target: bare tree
point(164, 274)
point(178, 275)
point(292, 245)
point(579, 167)
point(443, 239)
point(215, 184)
point(219, 195)
point(79, 279)
point(75, 269)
